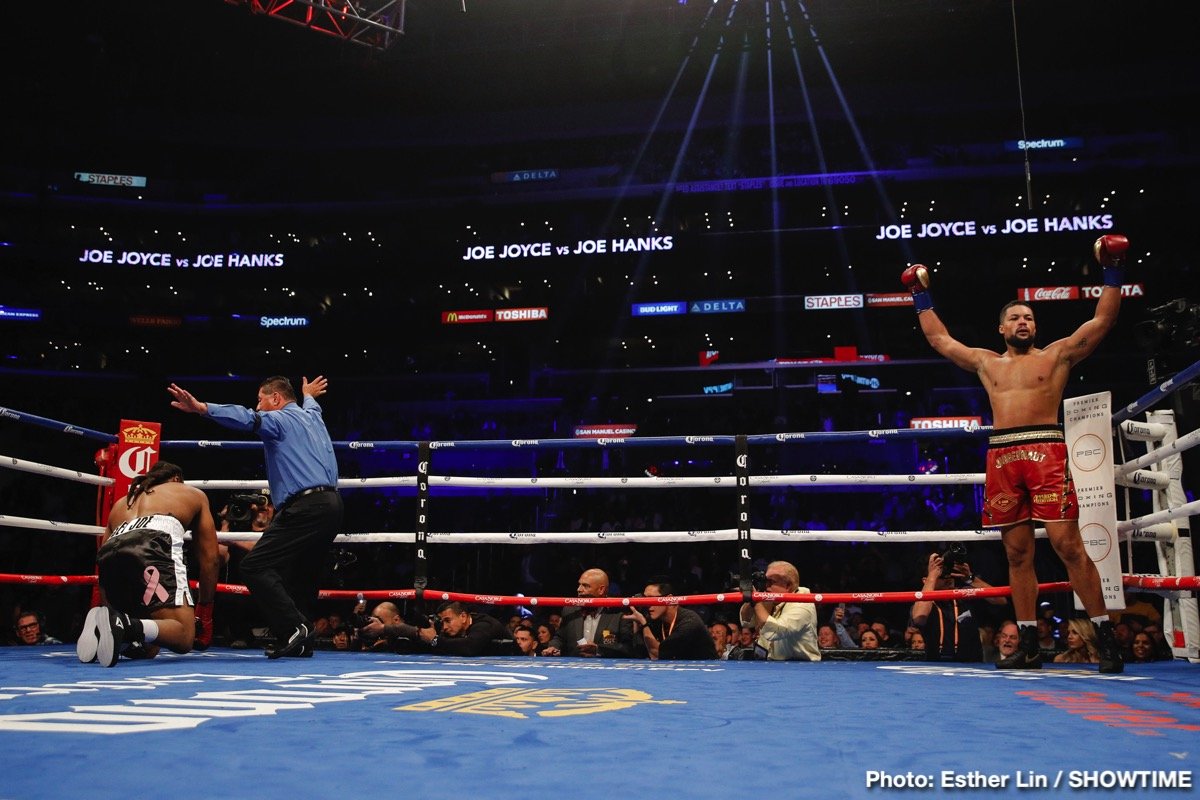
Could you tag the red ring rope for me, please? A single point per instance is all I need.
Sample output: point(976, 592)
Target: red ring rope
point(732, 596)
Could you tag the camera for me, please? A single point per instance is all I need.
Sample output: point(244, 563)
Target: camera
point(951, 557)
point(758, 580)
point(239, 507)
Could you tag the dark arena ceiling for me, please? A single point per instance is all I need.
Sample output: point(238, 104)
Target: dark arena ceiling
point(753, 153)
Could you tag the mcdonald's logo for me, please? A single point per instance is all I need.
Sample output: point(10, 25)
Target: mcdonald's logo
point(464, 317)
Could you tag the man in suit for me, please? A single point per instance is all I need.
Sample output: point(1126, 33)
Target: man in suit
point(594, 632)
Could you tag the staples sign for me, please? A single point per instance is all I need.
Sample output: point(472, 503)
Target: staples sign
point(825, 302)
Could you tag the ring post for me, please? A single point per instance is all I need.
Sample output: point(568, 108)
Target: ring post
point(741, 471)
point(421, 564)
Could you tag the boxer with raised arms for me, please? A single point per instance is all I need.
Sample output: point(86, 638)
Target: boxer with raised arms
point(1028, 477)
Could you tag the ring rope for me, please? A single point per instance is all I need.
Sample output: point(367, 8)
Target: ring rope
point(1154, 395)
point(61, 427)
point(1142, 528)
point(1166, 515)
point(1127, 474)
point(460, 481)
point(49, 525)
point(1181, 444)
point(1185, 584)
point(54, 472)
point(615, 441)
point(1143, 479)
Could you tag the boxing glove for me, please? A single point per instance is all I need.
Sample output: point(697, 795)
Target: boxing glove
point(1110, 253)
point(916, 280)
point(204, 626)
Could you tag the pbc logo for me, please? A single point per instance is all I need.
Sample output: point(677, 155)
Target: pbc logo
point(1088, 452)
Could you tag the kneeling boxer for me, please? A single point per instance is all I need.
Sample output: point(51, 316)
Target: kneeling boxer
point(143, 581)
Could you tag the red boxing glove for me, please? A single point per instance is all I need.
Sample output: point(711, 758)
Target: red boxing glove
point(1110, 250)
point(1110, 253)
point(204, 626)
point(916, 280)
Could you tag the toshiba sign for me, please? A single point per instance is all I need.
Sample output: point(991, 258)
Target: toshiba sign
point(826, 302)
point(522, 314)
point(937, 423)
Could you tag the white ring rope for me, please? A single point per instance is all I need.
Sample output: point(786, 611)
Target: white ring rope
point(1142, 528)
point(56, 472)
point(1184, 442)
point(49, 525)
point(1131, 477)
point(1143, 479)
point(469, 481)
point(1167, 514)
point(343, 483)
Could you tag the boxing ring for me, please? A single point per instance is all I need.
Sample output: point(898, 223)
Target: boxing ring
point(229, 721)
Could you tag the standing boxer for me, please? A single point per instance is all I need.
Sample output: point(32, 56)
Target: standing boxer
point(1028, 478)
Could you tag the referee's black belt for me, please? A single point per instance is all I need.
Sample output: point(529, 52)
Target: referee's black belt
point(310, 490)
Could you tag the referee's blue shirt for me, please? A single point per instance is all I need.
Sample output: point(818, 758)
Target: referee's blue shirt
point(299, 452)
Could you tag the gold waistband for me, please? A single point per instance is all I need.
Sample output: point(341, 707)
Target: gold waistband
point(1010, 437)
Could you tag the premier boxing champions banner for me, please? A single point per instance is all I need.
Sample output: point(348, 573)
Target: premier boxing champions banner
point(1088, 426)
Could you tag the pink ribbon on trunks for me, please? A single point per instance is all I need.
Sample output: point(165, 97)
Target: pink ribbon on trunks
point(153, 587)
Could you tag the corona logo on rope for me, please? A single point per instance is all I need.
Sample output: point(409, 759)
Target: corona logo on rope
point(524, 703)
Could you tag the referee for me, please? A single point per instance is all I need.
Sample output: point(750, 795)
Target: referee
point(283, 569)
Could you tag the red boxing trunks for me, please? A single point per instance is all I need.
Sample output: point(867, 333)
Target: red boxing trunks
point(1028, 477)
point(141, 566)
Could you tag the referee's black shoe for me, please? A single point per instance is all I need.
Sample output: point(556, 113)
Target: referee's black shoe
point(299, 644)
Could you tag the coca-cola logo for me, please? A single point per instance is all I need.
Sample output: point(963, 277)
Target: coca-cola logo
point(1035, 293)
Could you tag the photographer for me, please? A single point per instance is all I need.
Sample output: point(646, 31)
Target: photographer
point(951, 627)
point(458, 632)
point(385, 625)
point(250, 512)
point(786, 631)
